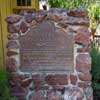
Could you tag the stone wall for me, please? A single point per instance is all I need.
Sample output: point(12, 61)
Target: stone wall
point(51, 85)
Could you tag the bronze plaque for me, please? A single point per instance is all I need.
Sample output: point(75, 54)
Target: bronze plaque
point(45, 48)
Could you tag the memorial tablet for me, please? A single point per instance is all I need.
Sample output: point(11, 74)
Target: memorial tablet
point(46, 48)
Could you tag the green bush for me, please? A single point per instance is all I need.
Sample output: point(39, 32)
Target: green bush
point(70, 3)
point(4, 87)
point(94, 15)
point(95, 55)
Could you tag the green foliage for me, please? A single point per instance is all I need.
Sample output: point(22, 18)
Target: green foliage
point(94, 15)
point(4, 89)
point(95, 55)
point(70, 3)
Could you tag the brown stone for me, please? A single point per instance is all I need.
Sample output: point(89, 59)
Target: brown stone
point(39, 17)
point(83, 63)
point(38, 79)
point(57, 14)
point(12, 45)
point(82, 36)
point(72, 93)
point(58, 87)
point(19, 77)
point(24, 12)
point(13, 36)
point(13, 28)
point(85, 49)
point(57, 79)
point(85, 77)
point(55, 17)
point(52, 95)
point(23, 27)
point(57, 10)
point(11, 65)
point(84, 84)
point(73, 79)
point(37, 96)
point(29, 18)
point(78, 12)
point(78, 21)
point(11, 53)
point(40, 87)
point(13, 82)
point(13, 19)
point(62, 24)
point(18, 91)
point(26, 82)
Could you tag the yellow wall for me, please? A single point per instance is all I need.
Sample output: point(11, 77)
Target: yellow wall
point(4, 12)
point(35, 5)
point(6, 9)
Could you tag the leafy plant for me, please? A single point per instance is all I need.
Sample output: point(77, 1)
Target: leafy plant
point(70, 3)
point(95, 55)
point(94, 15)
point(4, 89)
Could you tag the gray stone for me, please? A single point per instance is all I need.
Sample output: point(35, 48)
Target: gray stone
point(37, 96)
point(29, 18)
point(12, 45)
point(13, 28)
point(89, 93)
point(13, 19)
point(13, 36)
point(72, 93)
point(53, 95)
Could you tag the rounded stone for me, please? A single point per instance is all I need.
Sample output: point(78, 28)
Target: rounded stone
point(37, 96)
point(72, 93)
point(83, 63)
point(78, 21)
point(13, 28)
point(57, 79)
point(26, 82)
point(38, 79)
point(18, 91)
point(78, 12)
point(13, 19)
point(55, 17)
point(13, 36)
point(89, 93)
point(29, 18)
point(39, 17)
point(53, 95)
point(23, 27)
point(83, 36)
point(63, 24)
point(12, 45)
point(11, 65)
point(73, 79)
point(84, 85)
point(85, 77)
point(11, 53)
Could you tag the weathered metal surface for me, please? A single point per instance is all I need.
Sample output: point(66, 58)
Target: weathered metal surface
point(45, 48)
